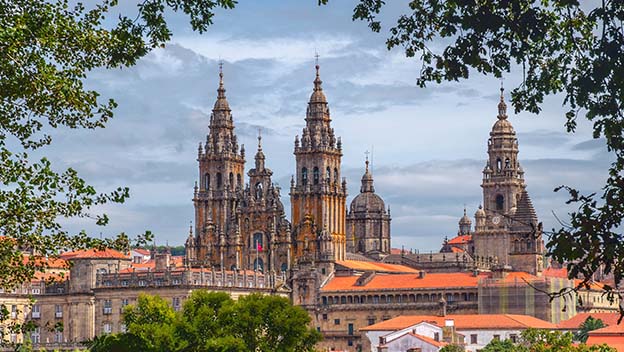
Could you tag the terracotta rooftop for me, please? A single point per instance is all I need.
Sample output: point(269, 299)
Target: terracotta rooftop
point(376, 266)
point(406, 281)
point(465, 322)
point(612, 335)
point(95, 254)
point(461, 239)
point(425, 339)
point(142, 251)
point(574, 322)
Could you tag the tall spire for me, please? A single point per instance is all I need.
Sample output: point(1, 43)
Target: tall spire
point(317, 95)
point(367, 179)
point(259, 154)
point(221, 104)
point(502, 107)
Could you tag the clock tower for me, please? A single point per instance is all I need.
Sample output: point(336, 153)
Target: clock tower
point(509, 234)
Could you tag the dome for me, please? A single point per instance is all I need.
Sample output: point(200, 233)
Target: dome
point(465, 220)
point(317, 95)
point(368, 202)
point(503, 126)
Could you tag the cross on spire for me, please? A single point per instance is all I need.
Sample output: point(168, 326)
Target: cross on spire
point(316, 57)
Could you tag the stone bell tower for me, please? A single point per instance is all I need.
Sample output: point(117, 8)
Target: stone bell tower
point(221, 169)
point(317, 193)
point(507, 231)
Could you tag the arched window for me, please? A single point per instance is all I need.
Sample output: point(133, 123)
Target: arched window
point(499, 165)
point(284, 267)
point(219, 180)
point(507, 163)
point(304, 176)
point(207, 181)
point(257, 241)
point(500, 202)
point(259, 264)
point(231, 180)
point(258, 190)
point(336, 174)
point(239, 180)
point(328, 175)
point(316, 175)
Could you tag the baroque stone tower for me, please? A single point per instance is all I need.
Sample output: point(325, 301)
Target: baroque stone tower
point(368, 221)
point(317, 193)
point(507, 231)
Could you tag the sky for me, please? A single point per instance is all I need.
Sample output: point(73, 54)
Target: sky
point(428, 145)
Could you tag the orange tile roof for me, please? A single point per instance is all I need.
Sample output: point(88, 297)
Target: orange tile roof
point(376, 266)
point(396, 251)
point(52, 263)
point(404, 281)
point(574, 322)
point(465, 322)
point(457, 250)
point(429, 340)
point(461, 239)
point(612, 335)
point(142, 251)
point(614, 329)
point(94, 253)
point(554, 272)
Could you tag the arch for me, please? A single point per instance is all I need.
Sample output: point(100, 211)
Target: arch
point(500, 202)
point(426, 297)
point(343, 300)
point(207, 181)
point(258, 188)
point(350, 299)
point(239, 180)
point(455, 296)
point(315, 175)
point(507, 163)
point(336, 175)
point(328, 175)
point(219, 180)
point(304, 176)
point(528, 246)
point(259, 264)
point(231, 179)
point(284, 267)
point(257, 241)
point(499, 164)
point(357, 299)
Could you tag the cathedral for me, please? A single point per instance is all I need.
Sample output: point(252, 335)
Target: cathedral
point(241, 225)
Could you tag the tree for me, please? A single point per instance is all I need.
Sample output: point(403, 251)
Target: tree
point(47, 49)
point(588, 325)
point(213, 322)
point(452, 348)
point(534, 340)
point(561, 47)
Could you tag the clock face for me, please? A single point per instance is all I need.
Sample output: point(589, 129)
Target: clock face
point(496, 220)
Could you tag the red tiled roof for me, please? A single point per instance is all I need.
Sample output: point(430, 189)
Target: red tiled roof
point(142, 251)
point(612, 335)
point(398, 281)
point(94, 253)
point(396, 251)
point(457, 250)
point(465, 321)
point(554, 272)
point(461, 239)
point(574, 322)
point(52, 263)
point(375, 266)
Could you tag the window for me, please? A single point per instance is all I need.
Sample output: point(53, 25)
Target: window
point(35, 335)
point(124, 302)
point(36, 291)
point(304, 176)
point(231, 180)
point(328, 175)
point(36, 311)
point(258, 190)
point(58, 312)
point(108, 307)
point(336, 174)
point(219, 180)
point(239, 181)
point(207, 181)
point(473, 339)
point(500, 202)
point(513, 338)
point(259, 264)
point(176, 303)
point(58, 337)
point(141, 282)
point(107, 328)
point(315, 175)
point(336, 321)
point(371, 321)
point(257, 242)
point(124, 282)
point(324, 315)
point(436, 336)
point(122, 327)
point(176, 281)
point(13, 311)
point(496, 338)
point(350, 343)
point(350, 329)
point(499, 165)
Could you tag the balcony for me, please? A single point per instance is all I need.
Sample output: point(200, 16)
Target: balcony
point(107, 310)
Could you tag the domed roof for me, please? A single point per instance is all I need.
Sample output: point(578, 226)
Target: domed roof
point(367, 200)
point(317, 95)
point(465, 220)
point(221, 103)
